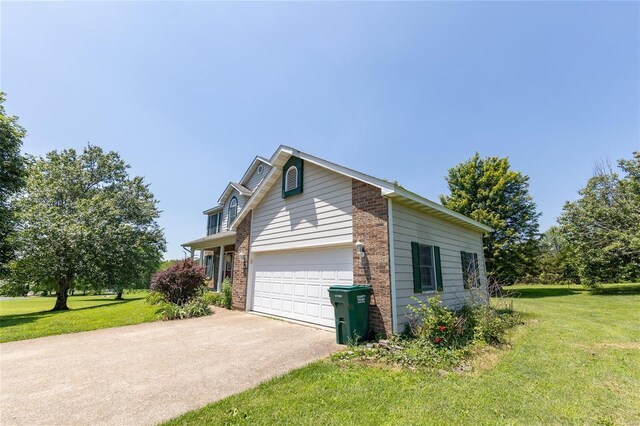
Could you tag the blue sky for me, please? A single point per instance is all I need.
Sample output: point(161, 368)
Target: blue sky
point(189, 93)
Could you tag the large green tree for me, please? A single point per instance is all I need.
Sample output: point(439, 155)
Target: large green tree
point(12, 180)
point(85, 220)
point(558, 261)
point(603, 225)
point(487, 190)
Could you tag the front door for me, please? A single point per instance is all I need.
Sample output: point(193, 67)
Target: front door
point(228, 266)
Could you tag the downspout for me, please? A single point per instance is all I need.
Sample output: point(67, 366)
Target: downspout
point(392, 266)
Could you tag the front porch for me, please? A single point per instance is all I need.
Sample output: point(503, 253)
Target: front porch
point(216, 255)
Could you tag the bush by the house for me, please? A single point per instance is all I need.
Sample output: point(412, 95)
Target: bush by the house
point(180, 282)
point(222, 299)
point(439, 337)
point(194, 308)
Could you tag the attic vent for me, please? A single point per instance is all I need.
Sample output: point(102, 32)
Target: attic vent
point(291, 179)
point(260, 169)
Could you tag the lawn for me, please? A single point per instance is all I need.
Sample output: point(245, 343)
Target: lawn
point(576, 361)
point(27, 318)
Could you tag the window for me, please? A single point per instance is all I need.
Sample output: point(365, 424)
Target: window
point(292, 177)
point(260, 169)
point(208, 266)
point(291, 180)
point(427, 271)
point(233, 211)
point(213, 223)
point(470, 270)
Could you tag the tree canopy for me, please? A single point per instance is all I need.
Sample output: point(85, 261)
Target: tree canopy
point(488, 191)
point(603, 225)
point(84, 220)
point(12, 179)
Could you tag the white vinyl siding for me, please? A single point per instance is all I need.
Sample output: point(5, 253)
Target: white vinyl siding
point(256, 178)
point(412, 225)
point(321, 215)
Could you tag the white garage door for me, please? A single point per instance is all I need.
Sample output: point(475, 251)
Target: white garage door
point(295, 284)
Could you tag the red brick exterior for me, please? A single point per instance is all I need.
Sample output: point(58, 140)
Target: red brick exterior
point(370, 227)
point(240, 273)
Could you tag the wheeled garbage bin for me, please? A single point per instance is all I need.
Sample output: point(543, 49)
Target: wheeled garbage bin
point(351, 308)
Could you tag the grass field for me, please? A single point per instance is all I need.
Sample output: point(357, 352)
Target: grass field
point(27, 318)
point(576, 361)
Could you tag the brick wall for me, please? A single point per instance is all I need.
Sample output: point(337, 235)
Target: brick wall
point(239, 286)
point(370, 226)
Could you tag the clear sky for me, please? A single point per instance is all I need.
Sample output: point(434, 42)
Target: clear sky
point(189, 93)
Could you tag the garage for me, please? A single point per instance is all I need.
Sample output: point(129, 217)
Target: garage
point(294, 284)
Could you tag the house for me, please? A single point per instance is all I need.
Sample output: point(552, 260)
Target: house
point(296, 224)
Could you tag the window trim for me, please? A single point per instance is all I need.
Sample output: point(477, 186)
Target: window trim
point(436, 265)
point(215, 227)
point(235, 215)
point(286, 179)
point(298, 164)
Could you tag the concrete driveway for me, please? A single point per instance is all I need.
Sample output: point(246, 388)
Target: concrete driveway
point(147, 373)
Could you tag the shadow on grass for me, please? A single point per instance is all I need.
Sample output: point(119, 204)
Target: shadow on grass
point(19, 319)
point(617, 290)
point(540, 292)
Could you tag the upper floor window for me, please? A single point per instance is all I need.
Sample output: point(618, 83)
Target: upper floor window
point(292, 177)
point(213, 223)
point(233, 211)
point(260, 169)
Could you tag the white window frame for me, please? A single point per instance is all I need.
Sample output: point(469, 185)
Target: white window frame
point(432, 267)
point(287, 188)
point(230, 219)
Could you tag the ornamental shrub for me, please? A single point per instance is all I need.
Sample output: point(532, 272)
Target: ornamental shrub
point(180, 282)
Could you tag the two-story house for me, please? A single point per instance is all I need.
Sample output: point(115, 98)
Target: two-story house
point(296, 224)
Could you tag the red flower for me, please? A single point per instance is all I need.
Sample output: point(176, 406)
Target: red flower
point(442, 327)
point(438, 339)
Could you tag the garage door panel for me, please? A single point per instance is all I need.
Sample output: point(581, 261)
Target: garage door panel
point(295, 284)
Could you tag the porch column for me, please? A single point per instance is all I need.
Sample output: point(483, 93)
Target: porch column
point(201, 257)
point(220, 271)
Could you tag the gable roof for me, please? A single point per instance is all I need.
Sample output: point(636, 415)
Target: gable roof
point(254, 165)
point(387, 189)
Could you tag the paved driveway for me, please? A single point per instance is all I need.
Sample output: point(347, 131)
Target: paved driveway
point(143, 374)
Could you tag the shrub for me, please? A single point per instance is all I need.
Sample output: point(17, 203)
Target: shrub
point(223, 299)
point(227, 299)
point(194, 308)
point(155, 297)
point(439, 337)
point(212, 298)
point(180, 282)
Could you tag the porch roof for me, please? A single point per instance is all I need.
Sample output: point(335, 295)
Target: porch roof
point(212, 241)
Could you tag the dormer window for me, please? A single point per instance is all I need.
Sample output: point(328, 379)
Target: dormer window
point(292, 177)
point(233, 211)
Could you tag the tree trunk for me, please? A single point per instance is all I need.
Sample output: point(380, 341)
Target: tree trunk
point(119, 295)
point(62, 293)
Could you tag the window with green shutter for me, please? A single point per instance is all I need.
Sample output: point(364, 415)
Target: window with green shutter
point(470, 269)
point(292, 177)
point(427, 269)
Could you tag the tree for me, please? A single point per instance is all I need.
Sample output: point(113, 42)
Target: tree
point(83, 219)
point(604, 224)
point(558, 261)
point(12, 180)
point(488, 191)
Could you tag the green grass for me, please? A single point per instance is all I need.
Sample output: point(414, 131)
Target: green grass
point(27, 318)
point(576, 361)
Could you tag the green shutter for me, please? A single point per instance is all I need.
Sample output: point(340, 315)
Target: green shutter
point(415, 256)
point(436, 253)
point(299, 164)
point(465, 269)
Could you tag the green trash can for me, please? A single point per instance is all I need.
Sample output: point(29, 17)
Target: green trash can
point(351, 308)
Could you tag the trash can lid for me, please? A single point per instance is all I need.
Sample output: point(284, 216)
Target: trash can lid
point(349, 288)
